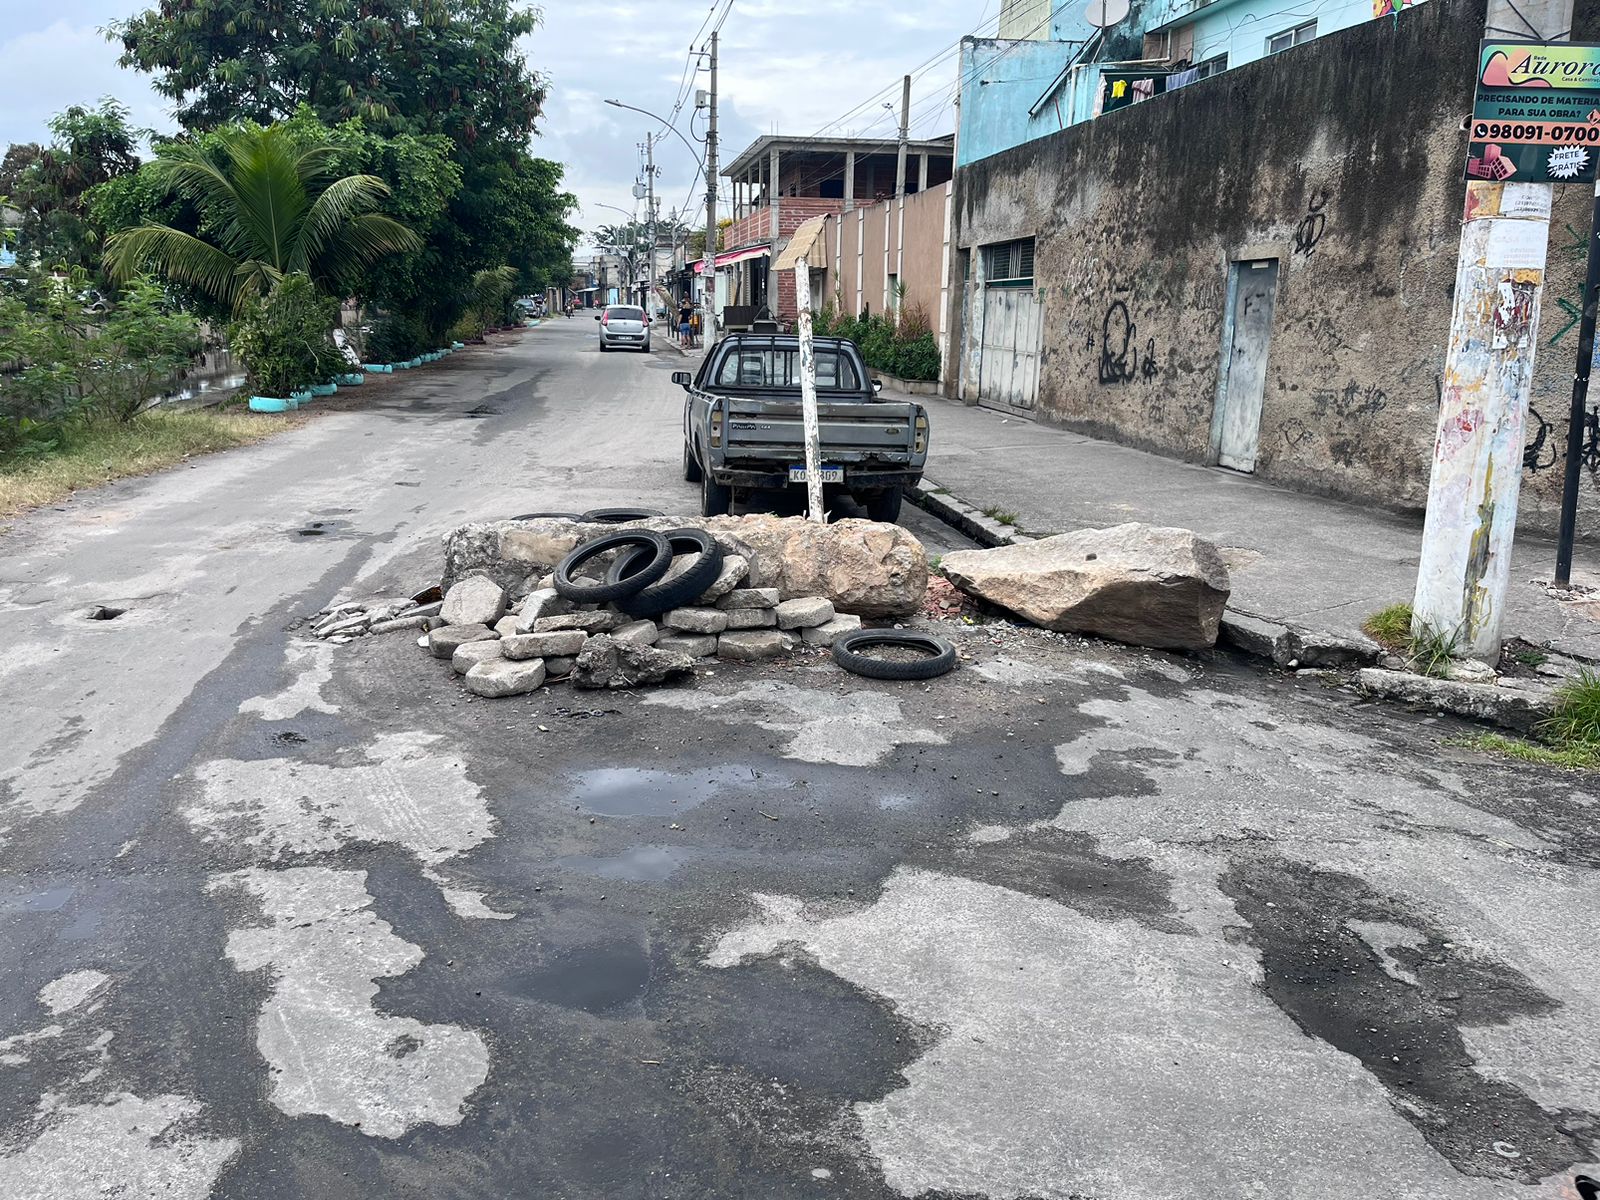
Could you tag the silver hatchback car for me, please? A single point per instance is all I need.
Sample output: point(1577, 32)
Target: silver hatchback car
point(624, 325)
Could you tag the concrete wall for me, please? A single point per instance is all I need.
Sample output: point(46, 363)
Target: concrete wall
point(1342, 161)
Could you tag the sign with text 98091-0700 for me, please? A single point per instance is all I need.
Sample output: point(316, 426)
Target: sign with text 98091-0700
point(1536, 114)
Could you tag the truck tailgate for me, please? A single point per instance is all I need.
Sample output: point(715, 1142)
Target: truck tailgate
point(850, 432)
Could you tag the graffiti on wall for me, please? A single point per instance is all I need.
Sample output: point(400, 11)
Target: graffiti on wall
point(1313, 225)
point(1352, 400)
point(1120, 360)
point(1543, 449)
point(1540, 451)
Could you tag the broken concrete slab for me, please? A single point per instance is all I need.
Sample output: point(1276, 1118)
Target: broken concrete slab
point(696, 620)
point(752, 618)
point(750, 598)
point(472, 653)
point(804, 611)
point(503, 677)
point(735, 567)
point(829, 631)
point(590, 622)
point(641, 633)
point(1515, 708)
point(608, 663)
point(695, 645)
point(476, 600)
point(1287, 644)
point(1140, 584)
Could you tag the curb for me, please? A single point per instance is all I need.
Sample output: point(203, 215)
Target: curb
point(1279, 643)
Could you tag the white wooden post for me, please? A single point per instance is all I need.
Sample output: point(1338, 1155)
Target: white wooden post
point(808, 394)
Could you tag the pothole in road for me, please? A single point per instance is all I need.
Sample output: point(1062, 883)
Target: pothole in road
point(639, 792)
point(104, 612)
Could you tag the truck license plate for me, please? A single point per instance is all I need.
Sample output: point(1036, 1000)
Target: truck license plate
point(829, 474)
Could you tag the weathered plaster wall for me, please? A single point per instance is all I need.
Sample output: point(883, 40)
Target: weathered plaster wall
point(1341, 159)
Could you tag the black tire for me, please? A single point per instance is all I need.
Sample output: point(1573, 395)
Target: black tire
point(691, 464)
point(679, 590)
point(716, 500)
point(884, 506)
point(620, 516)
point(591, 591)
point(940, 662)
point(546, 516)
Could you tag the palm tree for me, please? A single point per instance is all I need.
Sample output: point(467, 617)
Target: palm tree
point(270, 209)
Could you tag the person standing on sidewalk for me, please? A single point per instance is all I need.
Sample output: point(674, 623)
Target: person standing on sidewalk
point(685, 320)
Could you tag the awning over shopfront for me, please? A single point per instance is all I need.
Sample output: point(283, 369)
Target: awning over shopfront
point(729, 257)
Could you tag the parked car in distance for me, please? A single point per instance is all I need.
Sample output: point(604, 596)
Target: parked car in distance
point(624, 325)
point(743, 433)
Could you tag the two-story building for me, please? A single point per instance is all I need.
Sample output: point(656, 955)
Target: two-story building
point(780, 183)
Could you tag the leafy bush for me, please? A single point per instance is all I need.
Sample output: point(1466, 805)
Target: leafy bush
point(396, 338)
point(918, 358)
point(67, 356)
point(286, 339)
point(905, 348)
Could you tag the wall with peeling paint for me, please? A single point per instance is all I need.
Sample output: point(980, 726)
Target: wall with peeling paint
point(1341, 160)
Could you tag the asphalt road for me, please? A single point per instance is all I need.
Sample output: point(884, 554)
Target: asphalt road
point(283, 919)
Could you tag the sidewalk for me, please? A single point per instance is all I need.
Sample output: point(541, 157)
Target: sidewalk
point(1301, 560)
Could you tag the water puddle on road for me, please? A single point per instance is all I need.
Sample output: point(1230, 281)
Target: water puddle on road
point(638, 864)
point(640, 792)
point(598, 978)
point(50, 900)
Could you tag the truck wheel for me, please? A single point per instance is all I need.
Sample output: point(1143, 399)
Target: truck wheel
point(715, 499)
point(691, 464)
point(884, 506)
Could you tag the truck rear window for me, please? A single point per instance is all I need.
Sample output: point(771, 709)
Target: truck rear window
point(773, 367)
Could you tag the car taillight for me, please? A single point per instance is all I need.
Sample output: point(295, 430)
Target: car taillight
point(605, 318)
point(716, 426)
point(922, 431)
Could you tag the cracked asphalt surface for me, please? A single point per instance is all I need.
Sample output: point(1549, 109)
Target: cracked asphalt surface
point(284, 919)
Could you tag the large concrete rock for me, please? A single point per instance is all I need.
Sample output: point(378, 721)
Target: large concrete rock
point(609, 663)
point(864, 567)
point(1133, 583)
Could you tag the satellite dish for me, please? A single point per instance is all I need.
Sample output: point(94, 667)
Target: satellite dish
point(1104, 13)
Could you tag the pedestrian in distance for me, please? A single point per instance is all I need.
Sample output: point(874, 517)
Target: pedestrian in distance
point(685, 321)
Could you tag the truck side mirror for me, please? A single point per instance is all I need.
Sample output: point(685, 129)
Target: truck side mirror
point(682, 378)
point(877, 386)
point(597, 316)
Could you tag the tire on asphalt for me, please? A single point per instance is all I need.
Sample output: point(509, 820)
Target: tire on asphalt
point(884, 506)
point(546, 516)
point(619, 516)
point(716, 500)
point(691, 464)
point(940, 661)
point(599, 591)
point(678, 591)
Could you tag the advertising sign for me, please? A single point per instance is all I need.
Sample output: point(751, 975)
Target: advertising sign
point(1536, 114)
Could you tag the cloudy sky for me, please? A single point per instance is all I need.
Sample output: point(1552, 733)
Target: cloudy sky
point(786, 67)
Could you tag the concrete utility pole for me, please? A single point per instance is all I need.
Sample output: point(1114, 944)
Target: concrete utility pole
point(1488, 372)
point(905, 131)
point(709, 325)
point(650, 219)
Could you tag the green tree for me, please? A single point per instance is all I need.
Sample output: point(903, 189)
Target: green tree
point(267, 211)
point(285, 338)
point(52, 185)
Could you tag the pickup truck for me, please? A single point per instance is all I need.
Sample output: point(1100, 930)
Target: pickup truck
point(742, 429)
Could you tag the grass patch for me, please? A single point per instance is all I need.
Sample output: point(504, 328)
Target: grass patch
point(98, 453)
point(1001, 515)
point(1575, 722)
point(1390, 627)
point(1582, 757)
point(1431, 651)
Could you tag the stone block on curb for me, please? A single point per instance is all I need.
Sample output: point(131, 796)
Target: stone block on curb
point(502, 677)
point(506, 625)
point(1506, 707)
point(474, 601)
point(752, 645)
point(472, 653)
point(750, 598)
point(734, 569)
point(1256, 636)
point(563, 643)
point(546, 602)
point(752, 618)
point(589, 622)
point(640, 633)
point(826, 633)
point(804, 612)
point(695, 645)
point(445, 641)
point(696, 620)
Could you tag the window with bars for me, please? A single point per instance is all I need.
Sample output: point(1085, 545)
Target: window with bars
point(1291, 37)
point(1009, 264)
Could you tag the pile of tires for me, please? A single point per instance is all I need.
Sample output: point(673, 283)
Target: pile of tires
point(637, 581)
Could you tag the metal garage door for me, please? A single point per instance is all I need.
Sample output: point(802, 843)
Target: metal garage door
point(1008, 368)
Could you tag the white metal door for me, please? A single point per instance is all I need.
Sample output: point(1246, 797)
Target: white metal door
point(1245, 378)
point(1008, 365)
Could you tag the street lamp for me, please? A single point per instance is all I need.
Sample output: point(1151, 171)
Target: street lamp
point(629, 258)
point(657, 117)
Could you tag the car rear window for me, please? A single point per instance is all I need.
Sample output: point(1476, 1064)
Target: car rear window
point(775, 367)
point(628, 314)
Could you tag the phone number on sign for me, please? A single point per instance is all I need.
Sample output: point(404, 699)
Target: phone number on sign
point(1535, 134)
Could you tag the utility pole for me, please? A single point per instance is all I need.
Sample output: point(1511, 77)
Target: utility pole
point(905, 117)
point(650, 219)
point(1465, 566)
point(709, 325)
